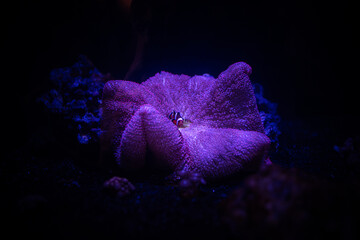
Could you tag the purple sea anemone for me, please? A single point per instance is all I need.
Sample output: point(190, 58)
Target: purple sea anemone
point(177, 122)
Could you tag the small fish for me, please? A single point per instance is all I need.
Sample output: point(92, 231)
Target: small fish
point(178, 120)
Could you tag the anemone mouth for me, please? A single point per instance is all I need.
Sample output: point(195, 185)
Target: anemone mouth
point(178, 120)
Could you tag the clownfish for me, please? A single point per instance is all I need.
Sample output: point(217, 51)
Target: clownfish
point(176, 118)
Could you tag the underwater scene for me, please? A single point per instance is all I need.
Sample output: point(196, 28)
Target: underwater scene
point(167, 119)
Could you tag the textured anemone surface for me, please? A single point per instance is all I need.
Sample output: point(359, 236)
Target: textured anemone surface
point(223, 134)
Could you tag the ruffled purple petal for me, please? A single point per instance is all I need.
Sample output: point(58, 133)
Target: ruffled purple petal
point(121, 99)
point(181, 93)
point(150, 136)
point(217, 153)
point(225, 102)
point(232, 102)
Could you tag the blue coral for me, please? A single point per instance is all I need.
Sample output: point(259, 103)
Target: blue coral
point(76, 96)
point(269, 116)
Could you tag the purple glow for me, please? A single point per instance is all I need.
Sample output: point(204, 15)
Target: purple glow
point(225, 134)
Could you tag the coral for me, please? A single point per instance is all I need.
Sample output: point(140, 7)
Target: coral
point(189, 183)
point(76, 96)
point(269, 116)
point(291, 204)
point(119, 186)
point(222, 133)
point(350, 155)
point(271, 199)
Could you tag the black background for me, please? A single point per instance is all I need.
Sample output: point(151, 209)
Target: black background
point(304, 53)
